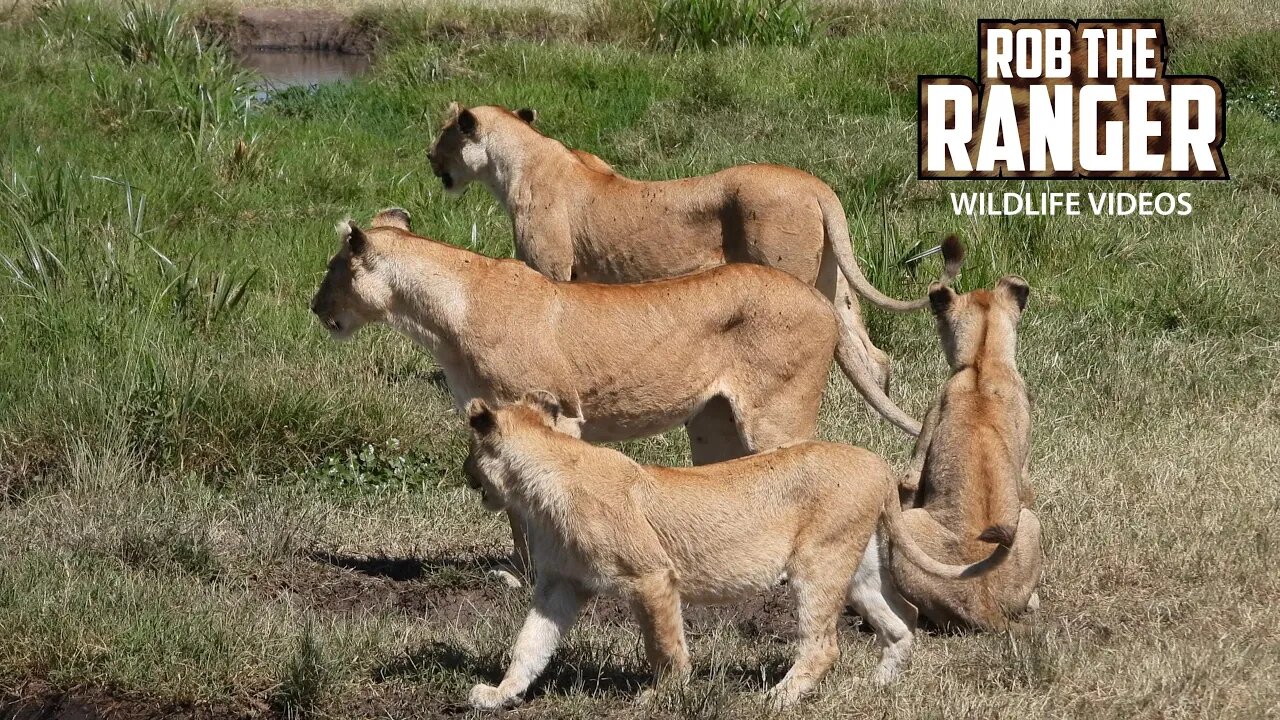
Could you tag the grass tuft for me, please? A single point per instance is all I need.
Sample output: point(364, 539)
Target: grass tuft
point(145, 33)
point(166, 549)
point(718, 23)
point(306, 679)
point(203, 302)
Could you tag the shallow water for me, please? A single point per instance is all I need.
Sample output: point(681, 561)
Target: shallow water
point(282, 69)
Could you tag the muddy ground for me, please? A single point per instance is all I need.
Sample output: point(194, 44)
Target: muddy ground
point(301, 29)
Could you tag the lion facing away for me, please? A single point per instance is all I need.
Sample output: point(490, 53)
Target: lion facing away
point(738, 354)
point(575, 218)
point(968, 471)
point(600, 523)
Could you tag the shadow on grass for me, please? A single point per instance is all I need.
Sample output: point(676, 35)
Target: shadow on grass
point(433, 377)
point(458, 588)
point(574, 674)
point(403, 569)
point(565, 675)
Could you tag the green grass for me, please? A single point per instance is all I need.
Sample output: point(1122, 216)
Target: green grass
point(712, 23)
point(204, 500)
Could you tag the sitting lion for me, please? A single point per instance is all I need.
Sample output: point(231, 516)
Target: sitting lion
point(968, 471)
point(600, 523)
point(575, 218)
point(738, 354)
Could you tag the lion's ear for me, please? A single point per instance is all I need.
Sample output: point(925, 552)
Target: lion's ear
point(1017, 288)
point(480, 417)
point(352, 237)
point(544, 402)
point(392, 217)
point(528, 115)
point(940, 297)
point(467, 122)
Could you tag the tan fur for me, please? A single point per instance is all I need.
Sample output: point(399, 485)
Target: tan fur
point(739, 354)
point(593, 163)
point(967, 477)
point(600, 523)
point(574, 220)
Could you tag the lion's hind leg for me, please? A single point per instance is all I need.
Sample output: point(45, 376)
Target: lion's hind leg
point(875, 597)
point(787, 412)
point(818, 586)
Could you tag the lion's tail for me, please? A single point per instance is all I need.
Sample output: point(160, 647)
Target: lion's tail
point(837, 231)
point(900, 537)
point(875, 395)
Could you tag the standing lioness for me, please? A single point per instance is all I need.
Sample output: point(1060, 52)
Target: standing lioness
point(968, 473)
point(577, 219)
point(600, 523)
point(739, 354)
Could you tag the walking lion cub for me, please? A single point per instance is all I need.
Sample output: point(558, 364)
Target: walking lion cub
point(598, 522)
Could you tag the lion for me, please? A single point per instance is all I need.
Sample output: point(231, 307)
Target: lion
point(969, 467)
point(739, 354)
point(599, 523)
point(575, 218)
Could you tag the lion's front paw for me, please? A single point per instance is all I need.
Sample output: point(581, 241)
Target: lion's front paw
point(488, 697)
point(506, 577)
point(780, 698)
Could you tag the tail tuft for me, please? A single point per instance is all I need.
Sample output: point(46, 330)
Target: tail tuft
point(953, 256)
point(999, 534)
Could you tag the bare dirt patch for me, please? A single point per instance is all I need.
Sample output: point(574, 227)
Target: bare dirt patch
point(345, 584)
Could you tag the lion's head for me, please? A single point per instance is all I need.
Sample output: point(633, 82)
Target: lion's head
point(355, 291)
point(460, 155)
point(500, 438)
point(980, 321)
